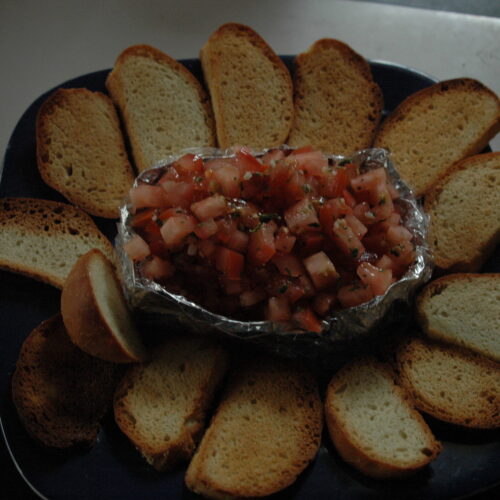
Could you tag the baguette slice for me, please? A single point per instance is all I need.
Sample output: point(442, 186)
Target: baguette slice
point(161, 405)
point(95, 312)
point(438, 126)
point(464, 310)
point(338, 106)
point(373, 425)
point(61, 393)
point(81, 151)
point(265, 432)
point(450, 383)
point(164, 107)
point(43, 239)
point(250, 88)
point(464, 211)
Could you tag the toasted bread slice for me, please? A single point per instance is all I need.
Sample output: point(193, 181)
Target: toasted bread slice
point(81, 151)
point(464, 210)
point(463, 309)
point(43, 239)
point(450, 383)
point(96, 314)
point(438, 126)
point(250, 88)
point(265, 432)
point(338, 106)
point(61, 393)
point(373, 424)
point(161, 405)
point(164, 107)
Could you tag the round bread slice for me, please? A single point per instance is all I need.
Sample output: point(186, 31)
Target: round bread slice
point(95, 312)
point(338, 106)
point(450, 383)
point(463, 309)
point(250, 88)
point(438, 126)
point(81, 150)
point(373, 425)
point(265, 432)
point(161, 405)
point(60, 392)
point(464, 210)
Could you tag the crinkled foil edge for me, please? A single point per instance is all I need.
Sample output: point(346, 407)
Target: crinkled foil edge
point(155, 303)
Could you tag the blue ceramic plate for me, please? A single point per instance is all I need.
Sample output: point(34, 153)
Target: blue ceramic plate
point(112, 468)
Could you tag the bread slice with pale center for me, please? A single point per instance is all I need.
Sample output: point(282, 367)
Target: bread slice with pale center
point(451, 384)
point(96, 314)
point(161, 405)
point(265, 432)
point(463, 309)
point(373, 424)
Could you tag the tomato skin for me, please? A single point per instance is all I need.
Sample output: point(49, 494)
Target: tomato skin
point(229, 262)
point(144, 217)
point(305, 318)
point(246, 162)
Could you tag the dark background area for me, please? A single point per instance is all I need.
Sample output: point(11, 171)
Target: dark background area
point(12, 485)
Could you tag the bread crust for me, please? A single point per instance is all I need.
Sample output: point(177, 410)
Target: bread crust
point(118, 93)
point(468, 147)
point(230, 131)
point(322, 82)
point(352, 449)
point(97, 159)
point(42, 239)
point(61, 393)
point(473, 257)
point(484, 415)
point(85, 320)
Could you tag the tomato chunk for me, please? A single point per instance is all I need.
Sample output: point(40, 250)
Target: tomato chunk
point(229, 262)
point(261, 247)
point(136, 248)
point(305, 318)
point(176, 228)
point(302, 217)
point(321, 270)
point(211, 207)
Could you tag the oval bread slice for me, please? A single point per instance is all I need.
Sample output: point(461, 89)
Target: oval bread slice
point(161, 405)
point(95, 312)
point(451, 384)
point(61, 393)
point(164, 107)
point(43, 239)
point(464, 210)
point(250, 88)
point(265, 432)
point(463, 309)
point(338, 106)
point(81, 151)
point(438, 126)
point(373, 424)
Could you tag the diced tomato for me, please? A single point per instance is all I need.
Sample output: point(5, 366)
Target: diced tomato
point(313, 162)
point(232, 287)
point(323, 303)
point(284, 240)
point(136, 248)
point(261, 247)
point(309, 243)
point(321, 270)
point(178, 194)
point(288, 265)
point(228, 177)
point(354, 294)
point(307, 286)
point(364, 214)
point(246, 162)
point(189, 164)
point(394, 193)
point(377, 279)
point(330, 211)
point(211, 207)
point(176, 228)
point(238, 240)
point(142, 218)
point(206, 228)
point(334, 183)
point(346, 240)
point(145, 195)
point(356, 225)
point(369, 180)
point(349, 199)
point(302, 217)
point(229, 262)
point(398, 234)
point(159, 248)
point(157, 269)
point(206, 249)
point(305, 318)
point(251, 297)
point(272, 157)
point(278, 309)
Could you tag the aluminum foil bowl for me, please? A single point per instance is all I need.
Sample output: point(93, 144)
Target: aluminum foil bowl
point(344, 330)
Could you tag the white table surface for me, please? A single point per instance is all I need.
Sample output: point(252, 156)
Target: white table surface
point(44, 43)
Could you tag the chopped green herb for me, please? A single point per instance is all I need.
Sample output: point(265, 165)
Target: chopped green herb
point(343, 162)
point(235, 214)
point(306, 188)
point(283, 289)
point(198, 179)
point(354, 252)
point(268, 217)
point(314, 224)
